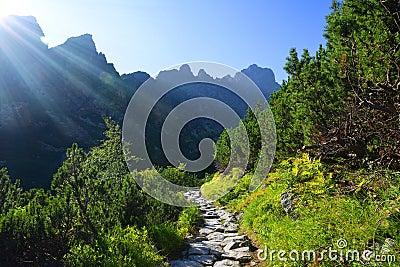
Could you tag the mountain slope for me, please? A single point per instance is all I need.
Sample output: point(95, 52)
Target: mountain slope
point(51, 98)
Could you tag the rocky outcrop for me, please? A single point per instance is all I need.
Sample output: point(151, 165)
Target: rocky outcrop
point(264, 78)
point(287, 202)
point(218, 242)
point(135, 79)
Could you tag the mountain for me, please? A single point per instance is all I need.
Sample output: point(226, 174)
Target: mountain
point(195, 86)
point(53, 97)
point(50, 98)
point(264, 78)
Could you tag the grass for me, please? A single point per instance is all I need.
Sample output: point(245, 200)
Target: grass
point(226, 188)
point(360, 207)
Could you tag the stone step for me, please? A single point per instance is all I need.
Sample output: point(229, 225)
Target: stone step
point(185, 263)
point(206, 231)
point(210, 216)
point(203, 259)
point(198, 249)
point(232, 245)
point(226, 263)
point(238, 256)
point(218, 243)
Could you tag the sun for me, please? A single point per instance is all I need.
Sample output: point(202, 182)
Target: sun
point(12, 7)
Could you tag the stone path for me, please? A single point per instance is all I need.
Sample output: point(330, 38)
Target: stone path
point(218, 243)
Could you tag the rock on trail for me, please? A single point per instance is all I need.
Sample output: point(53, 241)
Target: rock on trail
point(218, 242)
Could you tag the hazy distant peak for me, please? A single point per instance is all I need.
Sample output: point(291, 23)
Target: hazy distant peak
point(183, 74)
point(254, 66)
point(185, 69)
point(262, 77)
point(135, 79)
point(203, 75)
point(141, 75)
point(255, 70)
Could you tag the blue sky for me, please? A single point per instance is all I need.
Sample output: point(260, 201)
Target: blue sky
point(155, 34)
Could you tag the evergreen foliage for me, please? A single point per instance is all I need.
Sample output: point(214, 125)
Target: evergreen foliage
point(95, 214)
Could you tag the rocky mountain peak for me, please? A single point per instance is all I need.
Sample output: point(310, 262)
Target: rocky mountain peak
point(202, 74)
point(263, 78)
point(82, 43)
point(21, 31)
point(22, 25)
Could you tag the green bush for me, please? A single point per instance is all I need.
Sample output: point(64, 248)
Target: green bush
point(89, 213)
point(121, 247)
point(179, 176)
point(169, 236)
point(304, 176)
point(10, 192)
point(34, 231)
point(166, 238)
point(221, 184)
point(189, 219)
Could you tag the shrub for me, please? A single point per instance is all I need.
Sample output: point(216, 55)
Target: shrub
point(121, 247)
point(166, 238)
point(189, 219)
point(221, 184)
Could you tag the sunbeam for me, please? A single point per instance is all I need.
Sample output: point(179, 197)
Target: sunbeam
point(13, 7)
point(23, 46)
